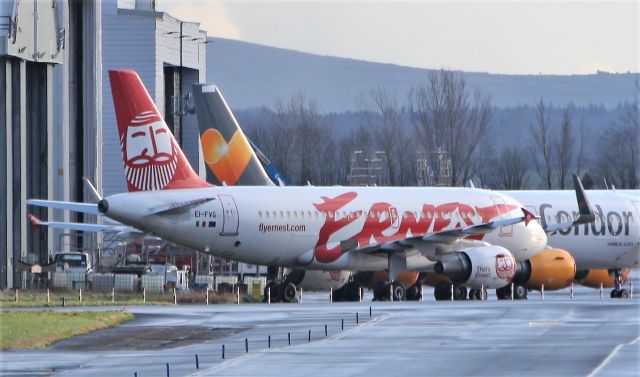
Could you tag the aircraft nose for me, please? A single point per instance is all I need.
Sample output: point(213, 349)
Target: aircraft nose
point(537, 236)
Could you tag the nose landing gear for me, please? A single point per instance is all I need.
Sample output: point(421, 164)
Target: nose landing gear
point(618, 291)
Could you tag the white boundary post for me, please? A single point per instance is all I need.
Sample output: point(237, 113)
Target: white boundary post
point(571, 291)
point(513, 286)
point(360, 294)
point(113, 295)
point(631, 290)
point(207, 296)
point(238, 294)
point(175, 297)
point(601, 291)
point(542, 292)
point(391, 292)
point(300, 294)
point(80, 294)
point(269, 295)
point(421, 292)
point(49, 297)
point(144, 294)
point(451, 292)
point(331, 294)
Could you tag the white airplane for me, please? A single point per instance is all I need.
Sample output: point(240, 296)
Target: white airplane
point(611, 242)
point(594, 253)
point(324, 228)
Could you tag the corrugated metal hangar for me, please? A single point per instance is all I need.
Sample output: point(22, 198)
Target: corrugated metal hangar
point(57, 122)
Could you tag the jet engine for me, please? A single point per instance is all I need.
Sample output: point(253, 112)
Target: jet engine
point(485, 266)
point(318, 280)
point(593, 278)
point(555, 268)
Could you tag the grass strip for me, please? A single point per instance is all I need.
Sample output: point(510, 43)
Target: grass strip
point(38, 298)
point(37, 329)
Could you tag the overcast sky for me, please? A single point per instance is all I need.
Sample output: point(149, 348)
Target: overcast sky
point(559, 37)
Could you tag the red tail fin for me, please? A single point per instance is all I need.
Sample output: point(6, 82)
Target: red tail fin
point(152, 158)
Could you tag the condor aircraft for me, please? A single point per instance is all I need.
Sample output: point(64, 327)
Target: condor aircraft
point(595, 252)
point(327, 228)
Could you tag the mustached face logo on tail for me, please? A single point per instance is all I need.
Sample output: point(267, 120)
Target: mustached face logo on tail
point(148, 152)
point(227, 161)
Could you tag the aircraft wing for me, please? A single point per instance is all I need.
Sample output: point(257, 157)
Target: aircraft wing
point(122, 231)
point(445, 236)
point(474, 230)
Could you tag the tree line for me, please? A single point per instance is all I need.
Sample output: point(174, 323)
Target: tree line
point(444, 115)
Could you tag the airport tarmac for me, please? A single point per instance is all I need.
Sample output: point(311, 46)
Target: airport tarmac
point(585, 336)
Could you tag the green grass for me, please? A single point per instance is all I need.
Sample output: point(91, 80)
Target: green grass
point(38, 298)
point(36, 329)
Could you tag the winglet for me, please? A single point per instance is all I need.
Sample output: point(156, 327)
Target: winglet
point(586, 214)
point(586, 211)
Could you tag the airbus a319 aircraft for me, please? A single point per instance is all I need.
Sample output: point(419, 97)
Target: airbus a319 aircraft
point(328, 228)
point(602, 249)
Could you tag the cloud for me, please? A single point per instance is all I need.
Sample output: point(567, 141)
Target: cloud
point(212, 15)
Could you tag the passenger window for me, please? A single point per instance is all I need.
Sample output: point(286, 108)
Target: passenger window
point(288, 214)
point(274, 214)
point(260, 214)
point(281, 214)
point(308, 214)
point(266, 214)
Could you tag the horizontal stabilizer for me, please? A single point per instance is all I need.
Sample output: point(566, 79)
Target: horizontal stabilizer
point(79, 226)
point(71, 206)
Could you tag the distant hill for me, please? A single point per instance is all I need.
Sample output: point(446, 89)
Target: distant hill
point(252, 76)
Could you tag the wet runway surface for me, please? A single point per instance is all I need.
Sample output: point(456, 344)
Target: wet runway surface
point(585, 336)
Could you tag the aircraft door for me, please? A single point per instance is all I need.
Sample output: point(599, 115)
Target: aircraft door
point(505, 231)
point(230, 219)
point(393, 213)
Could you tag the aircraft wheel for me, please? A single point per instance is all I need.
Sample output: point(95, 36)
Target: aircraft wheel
point(442, 291)
point(398, 290)
point(382, 292)
point(276, 293)
point(271, 285)
point(615, 293)
point(502, 293)
point(459, 292)
point(520, 292)
point(413, 293)
point(354, 291)
point(624, 293)
point(289, 292)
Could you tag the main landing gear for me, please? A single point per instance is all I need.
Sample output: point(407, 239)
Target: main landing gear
point(384, 291)
point(279, 289)
point(445, 291)
point(351, 291)
point(618, 291)
point(519, 292)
